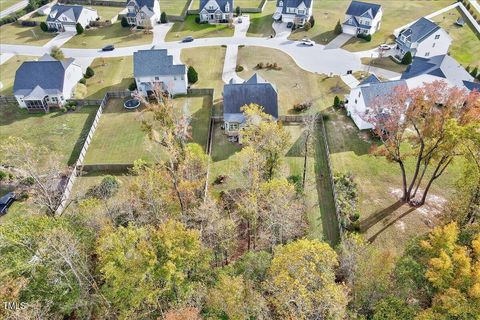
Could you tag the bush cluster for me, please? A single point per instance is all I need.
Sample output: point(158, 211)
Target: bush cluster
point(268, 65)
point(299, 107)
point(239, 68)
point(107, 188)
point(366, 37)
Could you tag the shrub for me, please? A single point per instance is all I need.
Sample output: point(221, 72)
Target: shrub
point(3, 175)
point(259, 65)
point(124, 22)
point(89, 72)
point(366, 37)
point(312, 21)
point(82, 81)
point(192, 75)
point(296, 180)
point(478, 76)
point(107, 188)
point(43, 26)
point(79, 28)
point(407, 58)
point(307, 26)
point(28, 181)
point(299, 107)
point(468, 69)
point(71, 107)
point(57, 53)
point(238, 11)
point(338, 28)
point(220, 179)
point(132, 86)
point(163, 17)
point(238, 68)
point(336, 101)
point(347, 200)
point(63, 109)
point(474, 72)
point(197, 19)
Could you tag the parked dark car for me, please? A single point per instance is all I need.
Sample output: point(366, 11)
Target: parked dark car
point(5, 202)
point(110, 47)
point(187, 39)
point(289, 25)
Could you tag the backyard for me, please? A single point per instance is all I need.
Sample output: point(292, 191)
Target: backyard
point(174, 7)
point(111, 74)
point(395, 14)
point(189, 27)
point(60, 132)
point(465, 47)
point(7, 75)
point(119, 137)
point(4, 4)
point(237, 3)
point(14, 33)
point(385, 63)
point(383, 219)
point(114, 34)
point(306, 87)
point(261, 23)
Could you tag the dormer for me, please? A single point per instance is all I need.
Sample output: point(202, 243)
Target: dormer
point(227, 7)
point(280, 3)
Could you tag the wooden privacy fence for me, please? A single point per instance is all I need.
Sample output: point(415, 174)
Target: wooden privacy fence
point(6, 100)
point(79, 163)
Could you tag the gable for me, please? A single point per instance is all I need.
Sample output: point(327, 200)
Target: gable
point(363, 9)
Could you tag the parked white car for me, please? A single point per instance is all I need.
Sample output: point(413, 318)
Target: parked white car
point(384, 47)
point(308, 42)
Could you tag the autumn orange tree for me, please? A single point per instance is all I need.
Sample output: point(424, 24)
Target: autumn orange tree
point(430, 124)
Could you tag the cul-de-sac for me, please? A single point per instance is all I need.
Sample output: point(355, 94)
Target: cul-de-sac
point(239, 159)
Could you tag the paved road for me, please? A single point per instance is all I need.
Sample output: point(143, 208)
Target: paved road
point(17, 6)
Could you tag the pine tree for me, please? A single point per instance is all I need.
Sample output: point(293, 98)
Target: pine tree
point(407, 58)
point(192, 75)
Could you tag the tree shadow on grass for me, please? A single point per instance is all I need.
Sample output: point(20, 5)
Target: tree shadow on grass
point(379, 215)
point(298, 146)
point(372, 238)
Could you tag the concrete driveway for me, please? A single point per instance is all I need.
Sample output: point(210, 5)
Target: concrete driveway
point(338, 41)
point(60, 39)
point(281, 30)
point(241, 28)
point(230, 65)
point(160, 32)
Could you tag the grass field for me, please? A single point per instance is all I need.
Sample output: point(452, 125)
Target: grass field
point(4, 4)
point(174, 7)
point(111, 74)
point(305, 86)
point(114, 34)
point(106, 12)
point(62, 133)
point(189, 27)
point(14, 33)
point(261, 23)
point(7, 74)
point(385, 63)
point(395, 14)
point(226, 161)
point(384, 220)
point(465, 47)
point(208, 61)
point(119, 137)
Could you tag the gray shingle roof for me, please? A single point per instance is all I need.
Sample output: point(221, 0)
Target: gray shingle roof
point(365, 9)
point(470, 85)
point(293, 4)
point(418, 31)
point(155, 62)
point(254, 90)
point(47, 75)
point(221, 4)
point(370, 79)
point(72, 11)
point(375, 91)
point(141, 3)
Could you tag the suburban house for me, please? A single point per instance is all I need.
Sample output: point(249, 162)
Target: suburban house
point(443, 67)
point(236, 95)
point(423, 39)
point(296, 11)
point(216, 11)
point(46, 83)
point(362, 98)
point(362, 18)
point(439, 68)
point(64, 17)
point(143, 13)
point(155, 68)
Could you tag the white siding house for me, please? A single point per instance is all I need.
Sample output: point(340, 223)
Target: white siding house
point(153, 68)
point(362, 18)
point(297, 12)
point(65, 17)
point(423, 39)
point(216, 11)
point(46, 83)
point(143, 13)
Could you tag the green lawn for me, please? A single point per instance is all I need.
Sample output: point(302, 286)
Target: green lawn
point(84, 182)
point(174, 7)
point(114, 34)
point(385, 63)
point(62, 133)
point(261, 23)
point(383, 219)
point(305, 86)
point(226, 161)
point(465, 47)
point(14, 33)
point(189, 27)
point(208, 61)
point(4, 4)
point(106, 12)
point(119, 137)
point(7, 74)
point(111, 74)
point(395, 14)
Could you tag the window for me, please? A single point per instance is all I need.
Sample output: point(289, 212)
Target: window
point(356, 101)
point(437, 37)
point(233, 126)
point(427, 54)
point(183, 78)
point(54, 99)
point(433, 45)
point(157, 78)
point(301, 11)
point(34, 104)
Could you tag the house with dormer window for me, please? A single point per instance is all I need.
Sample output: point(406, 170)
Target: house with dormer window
point(65, 17)
point(362, 18)
point(143, 13)
point(297, 12)
point(423, 39)
point(216, 11)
